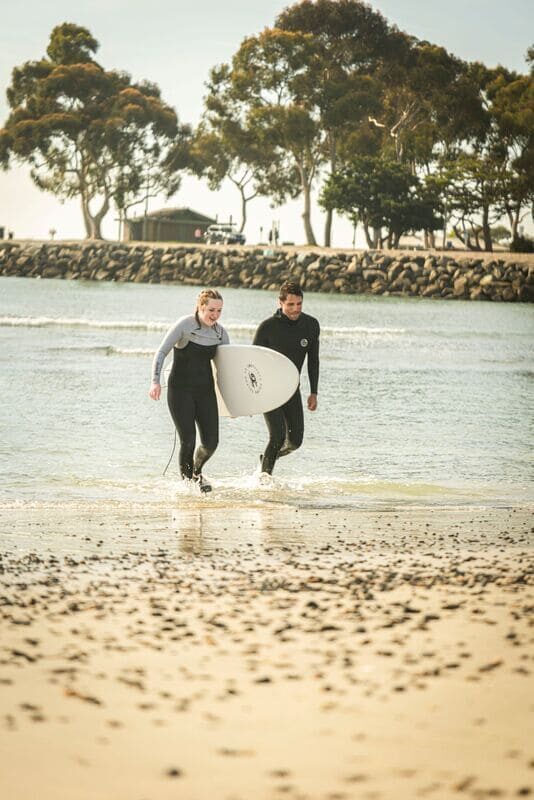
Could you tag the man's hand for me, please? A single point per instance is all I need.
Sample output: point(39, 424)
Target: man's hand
point(312, 402)
point(155, 391)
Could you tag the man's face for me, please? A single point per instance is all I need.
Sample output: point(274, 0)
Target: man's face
point(292, 306)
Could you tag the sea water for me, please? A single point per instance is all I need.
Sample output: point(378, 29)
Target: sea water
point(421, 402)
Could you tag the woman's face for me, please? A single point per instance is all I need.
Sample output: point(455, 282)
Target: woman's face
point(210, 313)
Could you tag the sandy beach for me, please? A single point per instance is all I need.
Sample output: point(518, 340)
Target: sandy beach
point(244, 653)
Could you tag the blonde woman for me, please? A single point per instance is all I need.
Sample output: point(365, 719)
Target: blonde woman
point(190, 391)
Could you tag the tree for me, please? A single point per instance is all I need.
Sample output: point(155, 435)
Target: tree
point(149, 166)
point(511, 142)
point(350, 40)
point(473, 183)
point(268, 80)
point(430, 101)
point(493, 175)
point(226, 146)
point(84, 131)
point(381, 193)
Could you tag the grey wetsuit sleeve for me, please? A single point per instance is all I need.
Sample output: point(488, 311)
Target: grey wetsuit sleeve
point(225, 338)
point(174, 336)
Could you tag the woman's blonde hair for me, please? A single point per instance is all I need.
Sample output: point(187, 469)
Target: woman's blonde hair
point(206, 295)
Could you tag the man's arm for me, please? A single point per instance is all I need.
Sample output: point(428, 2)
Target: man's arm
point(313, 367)
point(261, 337)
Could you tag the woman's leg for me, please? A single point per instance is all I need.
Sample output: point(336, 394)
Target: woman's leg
point(182, 407)
point(207, 419)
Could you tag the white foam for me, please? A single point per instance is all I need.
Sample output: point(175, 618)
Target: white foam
point(73, 322)
point(140, 325)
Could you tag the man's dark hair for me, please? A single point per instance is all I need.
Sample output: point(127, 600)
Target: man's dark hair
point(289, 287)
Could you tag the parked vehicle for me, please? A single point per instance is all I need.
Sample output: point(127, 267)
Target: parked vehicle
point(223, 233)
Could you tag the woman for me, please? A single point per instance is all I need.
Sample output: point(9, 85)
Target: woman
point(190, 390)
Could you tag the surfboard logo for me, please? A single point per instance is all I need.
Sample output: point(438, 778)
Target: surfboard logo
point(253, 379)
point(303, 342)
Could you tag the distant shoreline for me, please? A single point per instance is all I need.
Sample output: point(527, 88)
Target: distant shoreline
point(505, 255)
point(440, 274)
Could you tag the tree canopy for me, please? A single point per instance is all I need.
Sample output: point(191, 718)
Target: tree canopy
point(331, 95)
point(87, 132)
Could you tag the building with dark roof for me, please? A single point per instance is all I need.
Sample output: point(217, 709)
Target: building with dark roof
point(168, 225)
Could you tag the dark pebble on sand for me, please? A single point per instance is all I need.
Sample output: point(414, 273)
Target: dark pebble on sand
point(174, 772)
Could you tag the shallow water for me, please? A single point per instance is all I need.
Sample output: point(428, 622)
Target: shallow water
point(420, 402)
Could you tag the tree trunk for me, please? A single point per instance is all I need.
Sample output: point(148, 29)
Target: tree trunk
point(377, 239)
point(486, 230)
point(330, 211)
point(367, 236)
point(514, 218)
point(86, 217)
point(306, 214)
point(243, 209)
point(93, 222)
point(305, 185)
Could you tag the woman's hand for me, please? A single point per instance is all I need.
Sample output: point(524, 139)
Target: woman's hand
point(155, 391)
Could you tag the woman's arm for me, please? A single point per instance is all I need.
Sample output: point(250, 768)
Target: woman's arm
point(173, 336)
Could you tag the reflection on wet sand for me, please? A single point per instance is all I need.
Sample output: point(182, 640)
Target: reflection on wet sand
point(206, 531)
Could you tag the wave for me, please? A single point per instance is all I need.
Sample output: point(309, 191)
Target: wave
point(73, 322)
point(106, 349)
point(140, 325)
point(254, 490)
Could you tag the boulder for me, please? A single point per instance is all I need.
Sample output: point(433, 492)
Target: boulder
point(459, 286)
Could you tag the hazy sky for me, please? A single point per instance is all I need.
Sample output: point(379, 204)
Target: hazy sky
point(176, 43)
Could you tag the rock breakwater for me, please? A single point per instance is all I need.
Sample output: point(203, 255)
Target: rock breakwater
point(413, 274)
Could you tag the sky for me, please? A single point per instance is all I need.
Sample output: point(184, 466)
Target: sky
point(175, 43)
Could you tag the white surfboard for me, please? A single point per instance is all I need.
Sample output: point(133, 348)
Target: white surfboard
point(251, 380)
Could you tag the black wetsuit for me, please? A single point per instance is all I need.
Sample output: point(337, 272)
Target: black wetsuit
point(191, 399)
point(296, 339)
point(191, 391)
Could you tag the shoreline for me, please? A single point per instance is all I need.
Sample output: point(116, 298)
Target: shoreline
point(462, 275)
point(266, 652)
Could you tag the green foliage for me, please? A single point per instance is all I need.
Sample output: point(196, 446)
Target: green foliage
point(522, 244)
point(261, 110)
point(231, 142)
point(499, 233)
point(87, 132)
point(381, 193)
point(71, 44)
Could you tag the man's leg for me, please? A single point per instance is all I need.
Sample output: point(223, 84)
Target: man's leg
point(294, 418)
point(286, 430)
point(276, 425)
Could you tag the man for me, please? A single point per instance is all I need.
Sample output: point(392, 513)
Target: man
point(295, 335)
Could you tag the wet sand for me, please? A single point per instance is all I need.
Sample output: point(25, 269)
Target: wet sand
point(238, 653)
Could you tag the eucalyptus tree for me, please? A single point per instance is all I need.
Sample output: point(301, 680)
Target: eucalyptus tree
point(86, 132)
point(491, 175)
point(350, 42)
point(473, 183)
point(511, 142)
point(430, 101)
point(227, 145)
point(381, 193)
point(268, 80)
